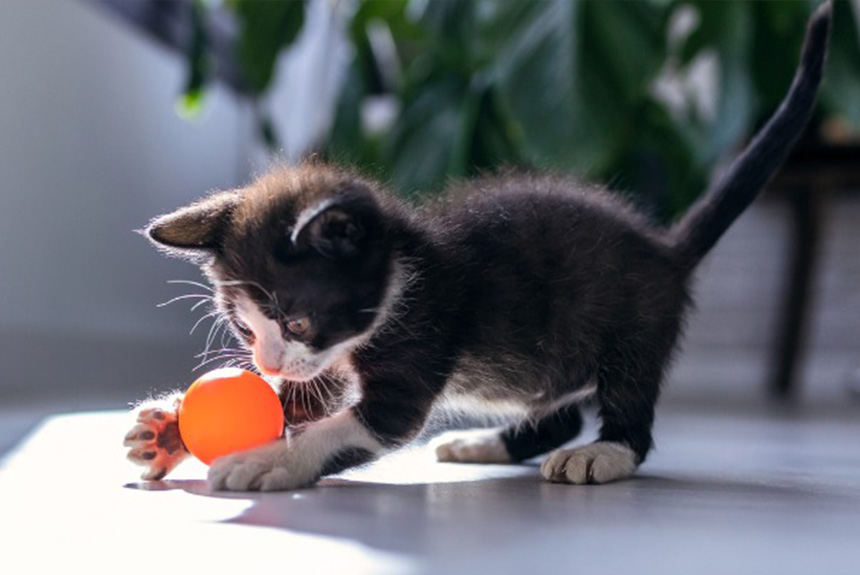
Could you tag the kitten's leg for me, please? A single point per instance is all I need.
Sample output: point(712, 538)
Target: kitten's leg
point(309, 452)
point(627, 398)
point(154, 440)
point(358, 435)
point(514, 443)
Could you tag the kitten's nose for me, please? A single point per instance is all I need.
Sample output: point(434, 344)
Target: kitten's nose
point(266, 368)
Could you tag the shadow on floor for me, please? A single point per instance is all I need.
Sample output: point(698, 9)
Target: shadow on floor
point(465, 516)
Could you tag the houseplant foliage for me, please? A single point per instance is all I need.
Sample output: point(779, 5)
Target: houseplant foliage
point(564, 85)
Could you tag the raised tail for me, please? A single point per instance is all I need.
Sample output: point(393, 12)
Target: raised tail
point(699, 229)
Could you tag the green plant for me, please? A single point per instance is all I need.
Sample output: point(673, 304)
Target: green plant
point(558, 84)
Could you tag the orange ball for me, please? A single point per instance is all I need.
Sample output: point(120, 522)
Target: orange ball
point(229, 410)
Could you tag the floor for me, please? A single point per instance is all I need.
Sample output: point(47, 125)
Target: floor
point(757, 492)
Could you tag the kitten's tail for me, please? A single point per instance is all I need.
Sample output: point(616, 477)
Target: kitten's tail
point(700, 228)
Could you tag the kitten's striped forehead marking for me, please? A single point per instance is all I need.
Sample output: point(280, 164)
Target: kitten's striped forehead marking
point(306, 216)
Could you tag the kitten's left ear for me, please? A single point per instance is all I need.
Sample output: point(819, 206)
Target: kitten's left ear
point(338, 227)
point(195, 229)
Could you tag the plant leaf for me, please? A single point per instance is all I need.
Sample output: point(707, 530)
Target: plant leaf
point(537, 73)
point(265, 28)
point(841, 90)
point(727, 28)
point(191, 102)
point(429, 141)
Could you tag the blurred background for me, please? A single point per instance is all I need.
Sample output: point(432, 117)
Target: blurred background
point(112, 112)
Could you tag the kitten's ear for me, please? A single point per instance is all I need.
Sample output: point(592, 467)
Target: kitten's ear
point(196, 228)
point(338, 227)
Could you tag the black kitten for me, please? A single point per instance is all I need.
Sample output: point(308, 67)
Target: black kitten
point(524, 291)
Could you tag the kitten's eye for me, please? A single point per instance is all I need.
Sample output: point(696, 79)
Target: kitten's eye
point(243, 328)
point(299, 326)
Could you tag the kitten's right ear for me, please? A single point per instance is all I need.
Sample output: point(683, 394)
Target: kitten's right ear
point(194, 229)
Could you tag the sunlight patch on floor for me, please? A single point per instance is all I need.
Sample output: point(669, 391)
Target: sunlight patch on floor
point(71, 500)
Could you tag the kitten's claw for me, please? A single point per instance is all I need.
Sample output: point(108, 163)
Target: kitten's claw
point(474, 446)
point(154, 441)
point(599, 462)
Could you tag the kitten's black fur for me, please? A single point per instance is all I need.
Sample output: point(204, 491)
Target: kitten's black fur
point(517, 289)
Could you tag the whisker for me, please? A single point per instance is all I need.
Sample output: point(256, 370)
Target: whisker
point(331, 398)
point(326, 397)
point(199, 321)
point(211, 359)
point(291, 399)
point(226, 354)
point(224, 350)
point(319, 396)
point(186, 296)
point(248, 366)
point(226, 337)
point(222, 331)
point(311, 387)
point(213, 331)
point(212, 328)
point(305, 400)
point(192, 283)
point(201, 302)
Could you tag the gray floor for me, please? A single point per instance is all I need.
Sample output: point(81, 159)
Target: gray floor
point(759, 492)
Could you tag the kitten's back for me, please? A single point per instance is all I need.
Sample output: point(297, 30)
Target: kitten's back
point(549, 270)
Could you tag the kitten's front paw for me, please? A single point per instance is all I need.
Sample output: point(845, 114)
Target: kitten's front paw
point(154, 441)
point(600, 462)
point(265, 468)
point(474, 446)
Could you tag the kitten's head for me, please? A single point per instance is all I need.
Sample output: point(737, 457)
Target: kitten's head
point(299, 261)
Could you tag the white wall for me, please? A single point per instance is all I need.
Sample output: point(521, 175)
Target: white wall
point(90, 148)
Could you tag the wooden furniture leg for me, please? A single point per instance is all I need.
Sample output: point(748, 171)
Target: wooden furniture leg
point(806, 208)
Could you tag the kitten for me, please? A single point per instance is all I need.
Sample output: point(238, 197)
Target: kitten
point(518, 290)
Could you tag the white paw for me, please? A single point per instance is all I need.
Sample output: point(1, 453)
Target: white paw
point(599, 462)
point(474, 446)
point(154, 441)
point(266, 468)
point(299, 460)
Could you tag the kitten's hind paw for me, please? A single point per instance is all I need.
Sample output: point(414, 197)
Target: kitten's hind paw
point(474, 446)
point(154, 441)
point(599, 462)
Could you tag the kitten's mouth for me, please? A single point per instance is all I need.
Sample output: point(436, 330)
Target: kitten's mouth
point(303, 369)
point(296, 370)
